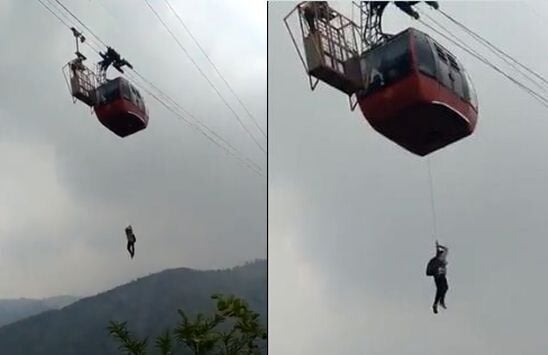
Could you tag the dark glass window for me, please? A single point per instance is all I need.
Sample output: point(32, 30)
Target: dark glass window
point(125, 90)
point(473, 98)
point(453, 62)
point(387, 63)
point(451, 75)
point(443, 72)
point(458, 83)
point(108, 92)
point(441, 53)
point(136, 97)
point(466, 89)
point(426, 62)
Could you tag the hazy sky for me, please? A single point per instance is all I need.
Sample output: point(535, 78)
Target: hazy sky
point(350, 225)
point(69, 186)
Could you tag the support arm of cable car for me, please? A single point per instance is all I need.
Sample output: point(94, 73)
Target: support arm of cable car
point(82, 81)
point(79, 37)
point(371, 13)
point(111, 57)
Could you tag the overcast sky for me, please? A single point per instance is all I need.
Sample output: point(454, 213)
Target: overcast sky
point(69, 186)
point(350, 224)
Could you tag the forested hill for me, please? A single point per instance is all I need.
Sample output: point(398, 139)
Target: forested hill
point(149, 305)
point(12, 310)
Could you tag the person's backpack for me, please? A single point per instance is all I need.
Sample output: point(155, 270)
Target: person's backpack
point(431, 267)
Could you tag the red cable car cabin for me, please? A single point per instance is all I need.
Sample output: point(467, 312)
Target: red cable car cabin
point(417, 94)
point(120, 107)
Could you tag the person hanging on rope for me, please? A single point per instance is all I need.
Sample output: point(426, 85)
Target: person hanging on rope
point(437, 267)
point(130, 241)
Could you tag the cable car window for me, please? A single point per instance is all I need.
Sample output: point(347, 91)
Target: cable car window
point(133, 96)
point(126, 90)
point(472, 91)
point(453, 62)
point(141, 100)
point(441, 53)
point(443, 72)
point(137, 98)
point(466, 88)
point(108, 92)
point(387, 63)
point(426, 62)
point(137, 93)
point(459, 84)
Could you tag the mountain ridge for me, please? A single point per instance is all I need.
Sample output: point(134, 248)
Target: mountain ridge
point(15, 309)
point(149, 304)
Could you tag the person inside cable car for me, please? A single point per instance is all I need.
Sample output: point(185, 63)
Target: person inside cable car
point(377, 82)
point(130, 241)
point(437, 268)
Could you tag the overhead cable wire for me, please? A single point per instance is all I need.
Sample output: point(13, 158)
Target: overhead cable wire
point(493, 47)
point(54, 13)
point(246, 161)
point(214, 66)
point(534, 94)
point(432, 200)
point(165, 95)
point(515, 64)
point(196, 121)
point(80, 22)
point(180, 45)
point(65, 20)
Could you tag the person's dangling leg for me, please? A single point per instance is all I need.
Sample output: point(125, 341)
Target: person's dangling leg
point(444, 288)
point(129, 248)
point(439, 293)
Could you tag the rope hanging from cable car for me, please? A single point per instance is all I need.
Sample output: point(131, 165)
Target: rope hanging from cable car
point(409, 87)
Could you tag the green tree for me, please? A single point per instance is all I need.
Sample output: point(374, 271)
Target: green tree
point(240, 334)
